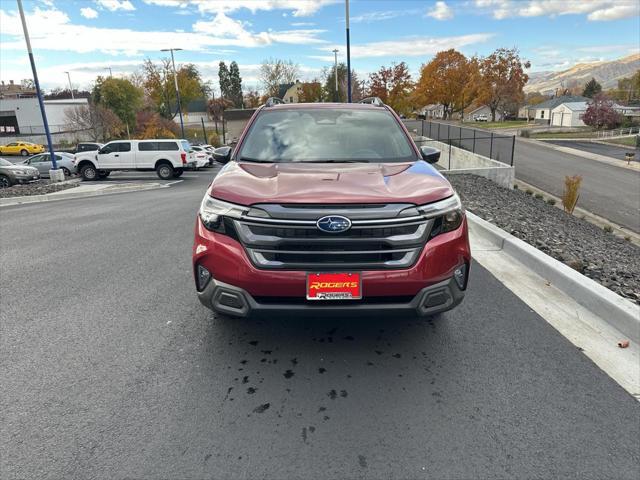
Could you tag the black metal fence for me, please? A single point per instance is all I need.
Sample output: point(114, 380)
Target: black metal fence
point(488, 144)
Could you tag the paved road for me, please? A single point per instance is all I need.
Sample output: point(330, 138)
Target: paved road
point(110, 368)
point(598, 148)
point(610, 191)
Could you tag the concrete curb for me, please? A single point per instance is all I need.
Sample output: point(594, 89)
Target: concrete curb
point(67, 195)
point(617, 311)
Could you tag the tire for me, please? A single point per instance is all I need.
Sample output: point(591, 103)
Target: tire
point(24, 153)
point(164, 171)
point(89, 173)
point(66, 172)
point(177, 173)
point(103, 174)
point(5, 182)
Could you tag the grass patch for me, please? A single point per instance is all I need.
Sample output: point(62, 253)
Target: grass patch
point(492, 125)
point(626, 141)
point(560, 135)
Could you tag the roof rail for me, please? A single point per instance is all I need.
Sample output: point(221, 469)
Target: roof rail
point(271, 101)
point(373, 101)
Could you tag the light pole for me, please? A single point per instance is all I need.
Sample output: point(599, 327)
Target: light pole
point(110, 72)
point(54, 173)
point(175, 78)
point(335, 71)
point(346, 3)
point(70, 86)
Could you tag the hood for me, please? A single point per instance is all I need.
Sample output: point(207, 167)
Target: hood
point(18, 166)
point(250, 183)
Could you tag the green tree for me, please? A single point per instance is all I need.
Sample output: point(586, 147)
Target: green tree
point(224, 78)
point(592, 88)
point(120, 96)
point(235, 85)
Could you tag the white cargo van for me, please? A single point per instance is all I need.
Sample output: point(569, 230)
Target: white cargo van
point(168, 158)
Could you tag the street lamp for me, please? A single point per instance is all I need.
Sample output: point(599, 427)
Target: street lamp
point(175, 78)
point(110, 72)
point(55, 174)
point(346, 3)
point(70, 86)
point(335, 71)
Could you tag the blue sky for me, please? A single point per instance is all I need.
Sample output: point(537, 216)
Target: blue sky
point(85, 37)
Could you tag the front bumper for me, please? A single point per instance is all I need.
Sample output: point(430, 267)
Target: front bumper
point(394, 290)
point(230, 300)
point(27, 178)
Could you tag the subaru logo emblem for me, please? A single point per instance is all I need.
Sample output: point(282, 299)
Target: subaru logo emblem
point(334, 224)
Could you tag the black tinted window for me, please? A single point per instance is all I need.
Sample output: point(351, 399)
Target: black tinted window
point(147, 146)
point(317, 134)
point(124, 146)
point(167, 146)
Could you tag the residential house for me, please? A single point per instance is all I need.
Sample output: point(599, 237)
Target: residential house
point(543, 110)
point(292, 95)
point(475, 112)
point(568, 114)
point(434, 111)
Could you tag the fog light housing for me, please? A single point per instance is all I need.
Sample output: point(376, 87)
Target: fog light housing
point(460, 276)
point(202, 277)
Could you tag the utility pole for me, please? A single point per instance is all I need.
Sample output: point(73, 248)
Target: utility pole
point(335, 71)
point(54, 173)
point(175, 78)
point(346, 3)
point(110, 72)
point(70, 86)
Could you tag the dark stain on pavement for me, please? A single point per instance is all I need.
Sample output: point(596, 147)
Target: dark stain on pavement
point(362, 461)
point(288, 374)
point(262, 408)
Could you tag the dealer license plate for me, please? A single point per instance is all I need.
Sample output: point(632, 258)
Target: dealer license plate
point(334, 286)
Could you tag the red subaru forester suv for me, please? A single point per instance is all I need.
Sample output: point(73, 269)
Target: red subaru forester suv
point(329, 208)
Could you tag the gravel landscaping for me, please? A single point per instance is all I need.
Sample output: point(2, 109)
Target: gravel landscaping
point(36, 188)
point(609, 260)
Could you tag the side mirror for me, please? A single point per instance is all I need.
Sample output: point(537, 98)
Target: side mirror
point(430, 154)
point(222, 154)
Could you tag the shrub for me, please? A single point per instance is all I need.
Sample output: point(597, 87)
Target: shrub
point(528, 191)
point(214, 140)
point(608, 228)
point(515, 186)
point(539, 196)
point(571, 193)
point(627, 238)
point(551, 201)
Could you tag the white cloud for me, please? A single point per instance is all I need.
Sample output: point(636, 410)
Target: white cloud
point(302, 24)
point(408, 47)
point(370, 17)
point(300, 8)
point(114, 5)
point(88, 12)
point(594, 9)
point(51, 29)
point(441, 11)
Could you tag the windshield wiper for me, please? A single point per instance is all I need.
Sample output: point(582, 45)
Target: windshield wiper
point(255, 160)
point(336, 161)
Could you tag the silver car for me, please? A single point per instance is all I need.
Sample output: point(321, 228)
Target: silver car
point(42, 162)
point(11, 174)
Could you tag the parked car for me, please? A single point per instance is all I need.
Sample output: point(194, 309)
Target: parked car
point(43, 163)
point(21, 148)
point(330, 208)
point(82, 147)
point(482, 117)
point(167, 157)
point(202, 156)
point(10, 174)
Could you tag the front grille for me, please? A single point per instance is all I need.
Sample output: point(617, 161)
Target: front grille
point(380, 238)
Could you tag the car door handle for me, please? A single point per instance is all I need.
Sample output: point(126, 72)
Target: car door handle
point(116, 155)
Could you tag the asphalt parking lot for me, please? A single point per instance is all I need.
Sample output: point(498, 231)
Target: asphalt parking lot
point(111, 368)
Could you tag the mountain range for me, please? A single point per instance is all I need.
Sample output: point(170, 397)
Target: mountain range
point(607, 73)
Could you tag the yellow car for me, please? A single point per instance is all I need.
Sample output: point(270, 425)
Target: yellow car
point(21, 148)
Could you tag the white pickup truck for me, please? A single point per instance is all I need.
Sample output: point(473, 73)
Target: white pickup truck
point(167, 157)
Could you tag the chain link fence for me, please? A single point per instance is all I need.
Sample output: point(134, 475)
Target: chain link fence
point(488, 144)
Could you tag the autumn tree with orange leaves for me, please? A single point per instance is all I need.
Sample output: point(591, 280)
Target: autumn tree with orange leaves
point(502, 78)
point(393, 85)
point(450, 79)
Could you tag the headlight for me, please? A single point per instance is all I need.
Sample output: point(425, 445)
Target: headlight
point(213, 210)
point(448, 214)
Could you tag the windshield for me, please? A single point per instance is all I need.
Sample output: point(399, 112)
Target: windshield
point(5, 163)
point(323, 134)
